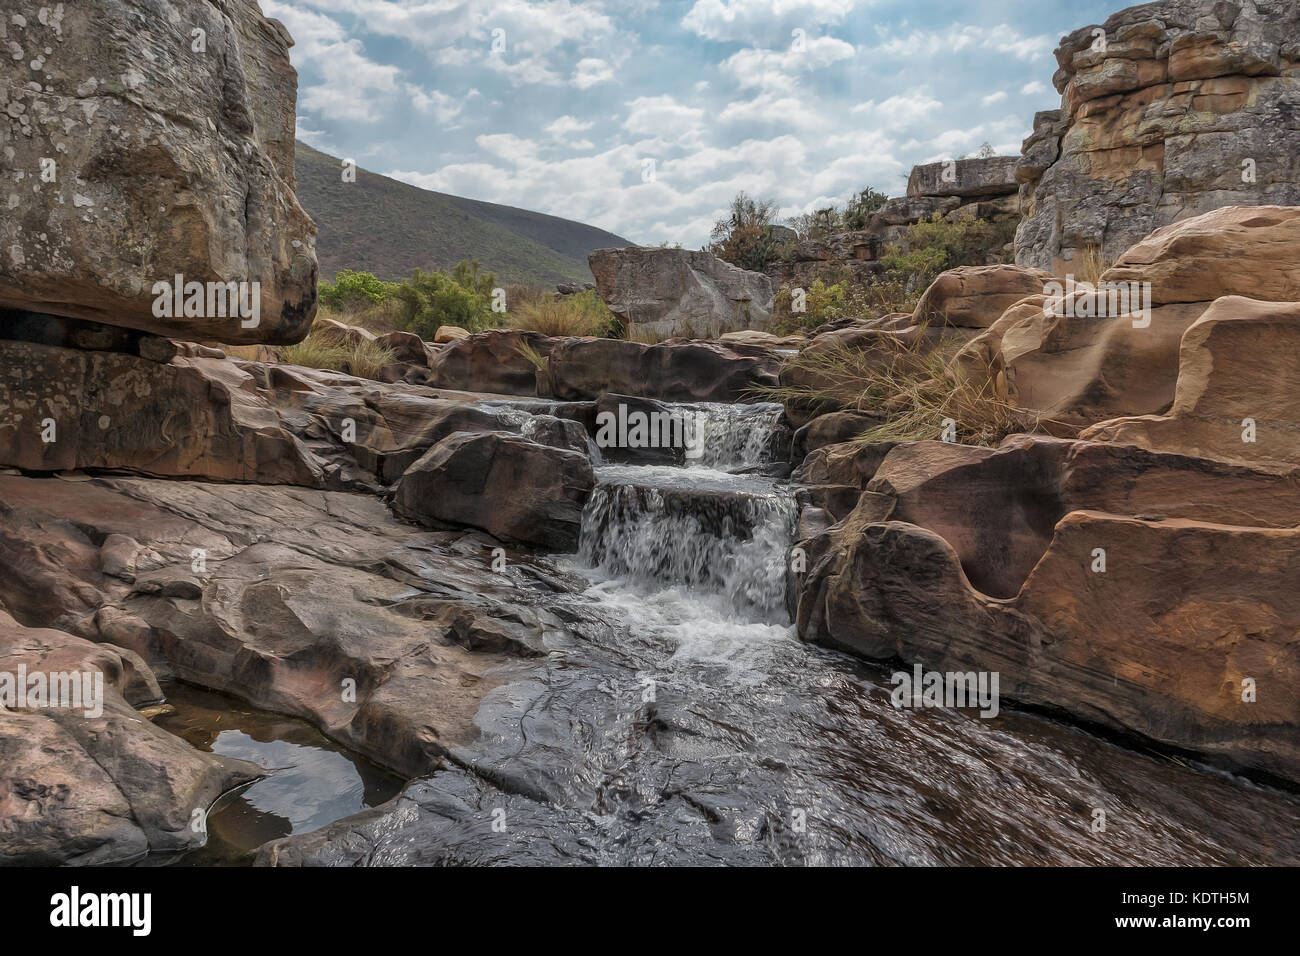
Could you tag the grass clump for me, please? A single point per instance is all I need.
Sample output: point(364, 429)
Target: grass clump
point(908, 381)
point(325, 348)
point(582, 313)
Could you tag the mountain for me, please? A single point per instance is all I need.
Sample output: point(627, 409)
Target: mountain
point(380, 225)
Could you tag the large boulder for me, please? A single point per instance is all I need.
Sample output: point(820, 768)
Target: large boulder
point(196, 418)
point(496, 361)
point(982, 177)
point(1168, 110)
point(1238, 389)
point(670, 371)
point(975, 297)
point(1252, 251)
point(513, 488)
point(1079, 357)
point(680, 291)
point(140, 154)
point(84, 787)
point(1139, 591)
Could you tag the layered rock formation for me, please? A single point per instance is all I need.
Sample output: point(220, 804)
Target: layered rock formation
point(961, 189)
point(1141, 591)
point(1168, 110)
point(672, 292)
point(1076, 358)
point(316, 604)
point(82, 787)
point(147, 146)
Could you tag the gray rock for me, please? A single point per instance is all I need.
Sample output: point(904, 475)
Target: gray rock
point(681, 291)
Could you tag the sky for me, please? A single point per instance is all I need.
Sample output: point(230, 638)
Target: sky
point(645, 118)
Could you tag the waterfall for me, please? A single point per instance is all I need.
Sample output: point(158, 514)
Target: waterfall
point(719, 536)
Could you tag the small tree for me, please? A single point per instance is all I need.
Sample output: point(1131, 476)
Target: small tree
point(744, 237)
point(858, 212)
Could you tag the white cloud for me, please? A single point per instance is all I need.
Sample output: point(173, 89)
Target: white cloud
point(925, 44)
point(1033, 88)
point(590, 71)
point(661, 116)
point(992, 98)
point(899, 111)
point(778, 70)
point(763, 21)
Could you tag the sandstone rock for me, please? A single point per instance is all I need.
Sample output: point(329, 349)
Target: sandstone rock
point(301, 589)
point(976, 296)
point(680, 291)
point(406, 347)
point(491, 362)
point(192, 417)
point(763, 339)
point(994, 176)
point(832, 428)
point(1181, 112)
point(167, 162)
point(977, 559)
point(78, 787)
point(1238, 389)
point(1084, 357)
point(1251, 251)
point(672, 372)
point(513, 488)
point(449, 333)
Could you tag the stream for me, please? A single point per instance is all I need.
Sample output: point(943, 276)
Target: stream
point(679, 720)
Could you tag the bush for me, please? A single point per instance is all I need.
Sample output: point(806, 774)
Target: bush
point(845, 299)
point(580, 314)
point(935, 245)
point(857, 214)
point(353, 291)
point(745, 237)
point(428, 300)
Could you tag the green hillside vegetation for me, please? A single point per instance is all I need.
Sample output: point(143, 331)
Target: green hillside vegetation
point(390, 229)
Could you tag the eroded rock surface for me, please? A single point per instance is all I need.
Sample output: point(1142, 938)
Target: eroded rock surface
point(680, 291)
point(138, 158)
point(78, 787)
point(280, 596)
point(980, 559)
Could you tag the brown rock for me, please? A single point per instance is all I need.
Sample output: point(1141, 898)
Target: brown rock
point(977, 559)
point(80, 787)
point(1238, 392)
point(191, 417)
point(669, 371)
point(513, 488)
point(976, 296)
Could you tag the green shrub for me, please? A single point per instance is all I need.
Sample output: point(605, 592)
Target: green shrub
point(935, 245)
point(745, 236)
point(352, 290)
point(428, 300)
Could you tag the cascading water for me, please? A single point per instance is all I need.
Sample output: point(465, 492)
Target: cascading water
point(698, 537)
point(679, 720)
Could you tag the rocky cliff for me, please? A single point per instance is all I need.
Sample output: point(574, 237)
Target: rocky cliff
point(1168, 110)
